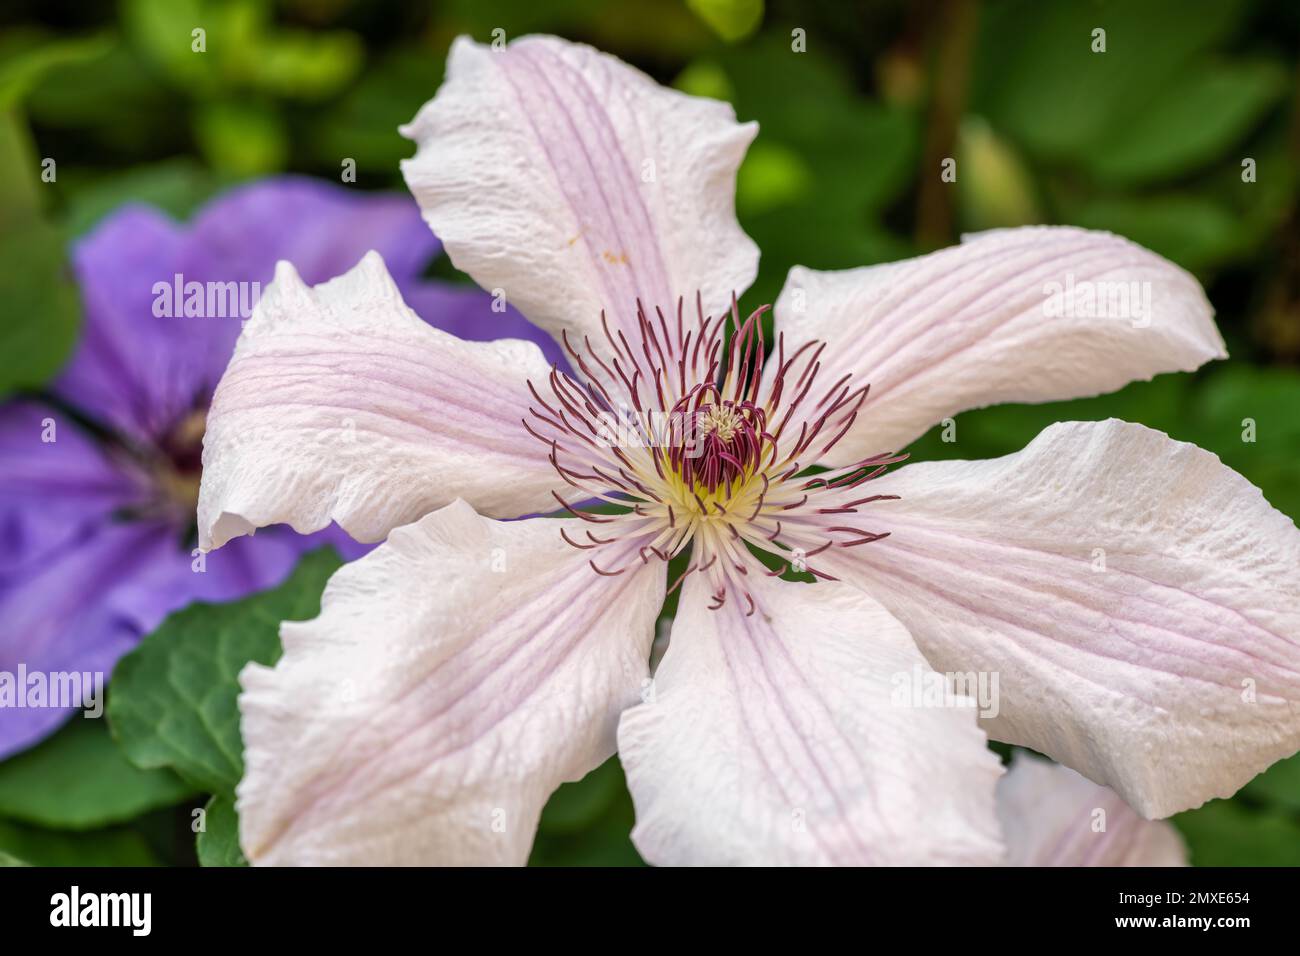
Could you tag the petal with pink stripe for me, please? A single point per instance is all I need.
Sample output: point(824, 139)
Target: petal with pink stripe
point(574, 183)
point(1004, 317)
point(790, 737)
point(455, 677)
point(341, 404)
point(1052, 816)
point(1139, 601)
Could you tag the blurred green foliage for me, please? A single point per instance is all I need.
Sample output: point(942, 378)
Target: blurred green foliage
point(116, 846)
point(34, 280)
point(173, 697)
point(1147, 139)
point(80, 779)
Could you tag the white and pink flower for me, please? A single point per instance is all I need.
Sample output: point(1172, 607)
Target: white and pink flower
point(468, 666)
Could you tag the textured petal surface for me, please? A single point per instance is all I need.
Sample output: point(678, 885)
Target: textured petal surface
point(341, 404)
point(574, 183)
point(779, 738)
point(1139, 600)
point(976, 325)
point(455, 677)
point(1052, 816)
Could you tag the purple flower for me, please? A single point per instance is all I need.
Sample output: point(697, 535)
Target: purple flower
point(98, 480)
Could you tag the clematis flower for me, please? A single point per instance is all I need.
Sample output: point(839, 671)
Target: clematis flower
point(98, 481)
point(1052, 816)
point(466, 667)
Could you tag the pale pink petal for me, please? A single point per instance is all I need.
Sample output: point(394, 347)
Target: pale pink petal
point(456, 676)
point(341, 404)
point(574, 183)
point(970, 326)
point(1139, 601)
point(782, 738)
point(1051, 816)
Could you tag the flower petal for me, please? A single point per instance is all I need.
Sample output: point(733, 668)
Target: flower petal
point(144, 361)
point(79, 601)
point(574, 183)
point(778, 739)
point(340, 403)
point(55, 482)
point(455, 677)
point(323, 228)
point(974, 325)
point(469, 313)
point(1051, 816)
point(61, 612)
point(1139, 600)
point(131, 370)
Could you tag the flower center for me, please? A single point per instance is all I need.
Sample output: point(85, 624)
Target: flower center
point(721, 443)
point(707, 451)
point(180, 466)
point(720, 423)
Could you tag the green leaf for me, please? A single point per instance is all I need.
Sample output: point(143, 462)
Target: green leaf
point(1246, 416)
point(39, 308)
point(1038, 78)
point(813, 188)
point(242, 138)
point(1225, 833)
point(304, 65)
point(772, 176)
point(20, 189)
point(218, 844)
point(163, 31)
point(1191, 123)
point(363, 124)
point(995, 189)
point(23, 69)
point(576, 805)
point(708, 79)
point(1002, 429)
point(730, 19)
point(629, 27)
point(588, 823)
point(116, 96)
point(79, 779)
point(1278, 786)
point(116, 846)
point(861, 153)
point(1192, 230)
point(9, 860)
point(174, 698)
point(176, 186)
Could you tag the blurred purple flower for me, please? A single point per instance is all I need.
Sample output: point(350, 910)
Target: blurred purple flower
point(96, 527)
